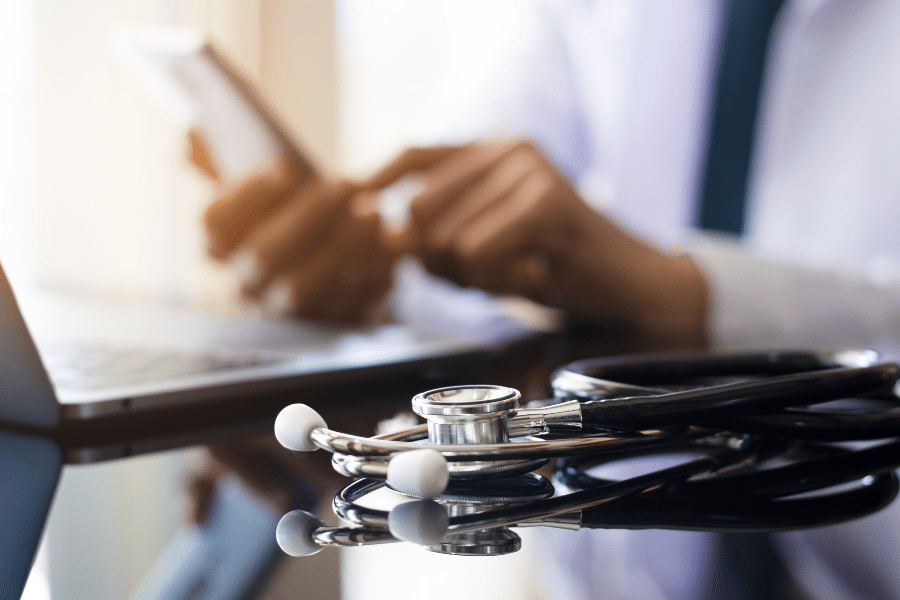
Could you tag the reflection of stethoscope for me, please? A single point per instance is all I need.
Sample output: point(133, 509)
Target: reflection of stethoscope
point(610, 406)
point(710, 493)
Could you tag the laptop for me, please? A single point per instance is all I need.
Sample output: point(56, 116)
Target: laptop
point(65, 363)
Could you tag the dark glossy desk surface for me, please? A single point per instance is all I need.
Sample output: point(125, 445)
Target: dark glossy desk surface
point(111, 521)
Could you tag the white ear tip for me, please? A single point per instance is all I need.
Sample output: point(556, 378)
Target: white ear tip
point(294, 533)
point(421, 522)
point(294, 426)
point(420, 473)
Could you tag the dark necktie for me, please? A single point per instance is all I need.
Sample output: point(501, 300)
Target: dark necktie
point(750, 568)
point(742, 55)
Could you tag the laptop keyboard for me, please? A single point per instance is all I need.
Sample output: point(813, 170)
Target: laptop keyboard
point(90, 366)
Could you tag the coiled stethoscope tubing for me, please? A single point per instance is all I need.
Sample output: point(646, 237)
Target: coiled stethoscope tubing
point(810, 485)
point(593, 379)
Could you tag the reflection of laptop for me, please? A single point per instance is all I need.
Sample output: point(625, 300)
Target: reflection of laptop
point(230, 556)
point(29, 471)
point(147, 362)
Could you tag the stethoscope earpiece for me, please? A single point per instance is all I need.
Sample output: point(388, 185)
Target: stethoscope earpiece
point(294, 533)
point(294, 426)
point(420, 473)
point(421, 522)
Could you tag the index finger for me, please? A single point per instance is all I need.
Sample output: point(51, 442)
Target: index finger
point(410, 160)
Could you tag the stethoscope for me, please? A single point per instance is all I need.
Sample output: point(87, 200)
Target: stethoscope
point(611, 406)
point(712, 492)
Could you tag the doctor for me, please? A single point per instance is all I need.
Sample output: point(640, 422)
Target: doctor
point(598, 213)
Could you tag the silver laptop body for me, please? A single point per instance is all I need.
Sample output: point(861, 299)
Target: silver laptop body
point(194, 358)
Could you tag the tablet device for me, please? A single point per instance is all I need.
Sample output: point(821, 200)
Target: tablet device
point(194, 83)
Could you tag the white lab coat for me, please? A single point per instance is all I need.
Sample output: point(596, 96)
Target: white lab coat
point(617, 93)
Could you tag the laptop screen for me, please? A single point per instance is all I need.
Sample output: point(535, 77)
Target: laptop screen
point(26, 394)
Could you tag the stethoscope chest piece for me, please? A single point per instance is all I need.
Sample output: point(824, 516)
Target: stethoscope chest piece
point(467, 414)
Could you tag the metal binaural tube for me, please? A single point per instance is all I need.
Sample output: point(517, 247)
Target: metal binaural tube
point(372, 447)
point(564, 418)
point(344, 537)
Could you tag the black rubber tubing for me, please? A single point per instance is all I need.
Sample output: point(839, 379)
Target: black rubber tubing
point(739, 399)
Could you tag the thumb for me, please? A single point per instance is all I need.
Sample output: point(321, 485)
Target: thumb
point(198, 154)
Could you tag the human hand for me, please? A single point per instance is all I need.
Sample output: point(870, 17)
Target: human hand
point(498, 216)
point(303, 244)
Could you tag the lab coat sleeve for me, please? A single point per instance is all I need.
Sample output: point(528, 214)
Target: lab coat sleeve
point(757, 302)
